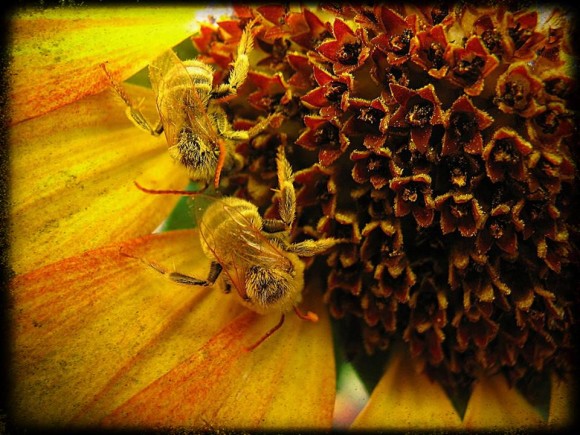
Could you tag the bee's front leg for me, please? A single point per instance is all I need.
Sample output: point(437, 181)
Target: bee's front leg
point(273, 225)
point(240, 68)
point(311, 248)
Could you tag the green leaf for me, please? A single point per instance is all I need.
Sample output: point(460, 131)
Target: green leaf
point(181, 217)
point(369, 368)
point(536, 390)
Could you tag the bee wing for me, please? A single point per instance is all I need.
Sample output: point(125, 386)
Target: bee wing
point(257, 249)
point(169, 102)
point(231, 265)
point(198, 206)
point(178, 103)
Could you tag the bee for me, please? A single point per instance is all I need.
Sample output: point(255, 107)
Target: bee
point(196, 127)
point(254, 255)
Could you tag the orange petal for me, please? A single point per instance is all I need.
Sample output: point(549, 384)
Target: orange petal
point(286, 382)
point(494, 405)
point(72, 175)
point(79, 323)
point(56, 52)
point(405, 399)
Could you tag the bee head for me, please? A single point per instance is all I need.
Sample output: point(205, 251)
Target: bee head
point(267, 286)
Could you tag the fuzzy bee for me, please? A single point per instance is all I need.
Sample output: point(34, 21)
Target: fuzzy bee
point(254, 255)
point(196, 127)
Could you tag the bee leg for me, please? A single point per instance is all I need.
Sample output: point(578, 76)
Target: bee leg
point(133, 113)
point(240, 68)
point(158, 129)
point(310, 248)
point(267, 335)
point(287, 205)
point(273, 225)
point(225, 129)
point(214, 271)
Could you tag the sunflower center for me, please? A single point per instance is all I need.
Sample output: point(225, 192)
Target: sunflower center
point(349, 53)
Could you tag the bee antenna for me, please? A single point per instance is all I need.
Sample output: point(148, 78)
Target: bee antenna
point(267, 335)
point(168, 192)
point(220, 163)
point(310, 316)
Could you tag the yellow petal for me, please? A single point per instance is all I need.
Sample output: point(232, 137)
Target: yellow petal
point(80, 322)
point(72, 175)
point(561, 402)
point(56, 52)
point(100, 335)
point(494, 405)
point(406, 399)
point(287, 382)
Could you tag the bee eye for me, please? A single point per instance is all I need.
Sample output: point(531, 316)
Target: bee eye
point(264, 286)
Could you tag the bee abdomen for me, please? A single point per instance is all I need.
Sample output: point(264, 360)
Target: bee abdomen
point(196, 156)
point(265, 287)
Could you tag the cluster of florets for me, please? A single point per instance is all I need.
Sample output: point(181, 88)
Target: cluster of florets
point(441, 142)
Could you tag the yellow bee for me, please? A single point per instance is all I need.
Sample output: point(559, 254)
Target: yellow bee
point(255, 254)
point(196, 127)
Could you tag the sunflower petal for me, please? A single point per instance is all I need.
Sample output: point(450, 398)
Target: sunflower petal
point(72, 175)
point(405, 399)
point(286, 382)
point(102, 334)
point(80, 322)
point(494, 405)
point(561, 402)
point(56, 52)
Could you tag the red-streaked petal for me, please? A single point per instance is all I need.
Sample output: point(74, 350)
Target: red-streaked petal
point(79, 323)
point(288, 381)
point(96, 334)
point(56, 52)
point(72, 174)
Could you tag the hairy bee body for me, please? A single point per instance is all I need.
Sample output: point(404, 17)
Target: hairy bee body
point(193, 121)
point(256, 255)
point(268, 276)
point(198, 132)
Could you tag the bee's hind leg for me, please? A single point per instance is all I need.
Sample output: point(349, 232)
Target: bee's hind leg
point(132, 111)
point(214, 272)
point(181, 278)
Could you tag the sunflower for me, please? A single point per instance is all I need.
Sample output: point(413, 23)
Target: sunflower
point(100, 340)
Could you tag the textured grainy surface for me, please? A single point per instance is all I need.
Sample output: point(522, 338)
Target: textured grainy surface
point(439, 141)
